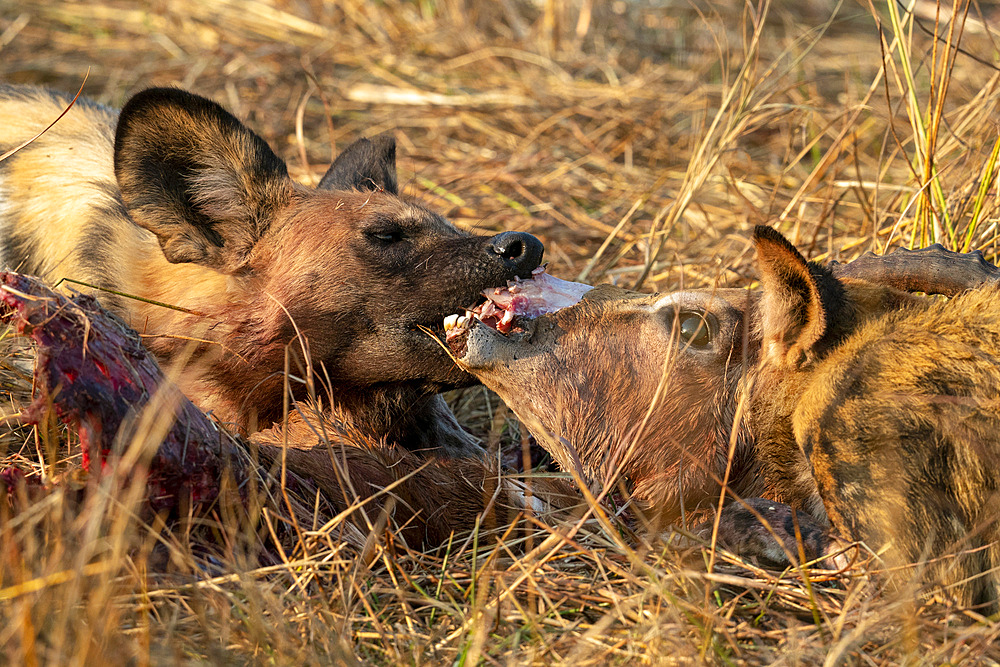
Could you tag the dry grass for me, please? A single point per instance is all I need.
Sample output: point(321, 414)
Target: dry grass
point(640, 139)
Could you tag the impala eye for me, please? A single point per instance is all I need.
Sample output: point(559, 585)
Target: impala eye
point(695, 328)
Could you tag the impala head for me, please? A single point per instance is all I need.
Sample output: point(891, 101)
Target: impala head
point(625, 385)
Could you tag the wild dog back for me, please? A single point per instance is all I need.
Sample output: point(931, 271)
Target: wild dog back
point(892, 421)
point(175, 200)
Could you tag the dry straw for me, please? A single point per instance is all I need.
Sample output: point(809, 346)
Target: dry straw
point(640, 139)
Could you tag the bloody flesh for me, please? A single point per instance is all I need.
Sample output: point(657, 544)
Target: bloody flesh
point(539, 295)
point(97, 376)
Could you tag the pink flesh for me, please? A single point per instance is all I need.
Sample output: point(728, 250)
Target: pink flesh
point(539, 295)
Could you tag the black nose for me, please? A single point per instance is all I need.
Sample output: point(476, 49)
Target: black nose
point(519, 251)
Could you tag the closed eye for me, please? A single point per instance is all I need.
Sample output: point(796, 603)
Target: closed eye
point(386, 236)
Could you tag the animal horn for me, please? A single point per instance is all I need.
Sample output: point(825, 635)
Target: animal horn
point(934, 270)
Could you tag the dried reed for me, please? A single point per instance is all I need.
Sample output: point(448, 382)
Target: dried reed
point(640, 139)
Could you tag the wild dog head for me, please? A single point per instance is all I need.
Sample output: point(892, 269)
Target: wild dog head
point(350, 269)
point(805, 314)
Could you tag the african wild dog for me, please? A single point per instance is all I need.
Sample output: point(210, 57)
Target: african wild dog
point(888, 425)
point(853, 401)
point(174, 200)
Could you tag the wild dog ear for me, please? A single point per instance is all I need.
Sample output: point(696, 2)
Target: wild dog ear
point(196, 177)
point(367, 164)
point(794, 316)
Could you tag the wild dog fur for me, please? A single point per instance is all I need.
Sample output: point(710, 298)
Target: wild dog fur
point(863, 406)
point(888, 425)
point(174, 200)
point(428, 500)
point(93, 374)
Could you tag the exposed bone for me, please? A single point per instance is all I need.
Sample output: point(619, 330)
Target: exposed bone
point(934, 270)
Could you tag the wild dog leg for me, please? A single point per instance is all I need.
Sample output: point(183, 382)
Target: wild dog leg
point(95, 373)
point(428, 499)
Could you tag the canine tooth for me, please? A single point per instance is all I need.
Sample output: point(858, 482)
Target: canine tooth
point(450, 322)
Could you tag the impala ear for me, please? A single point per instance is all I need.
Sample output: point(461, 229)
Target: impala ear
point(798, 303)
point(196, 177)
point(367, 164)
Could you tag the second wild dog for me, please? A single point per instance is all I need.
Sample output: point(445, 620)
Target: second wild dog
point(888, 425)
point(174, 200)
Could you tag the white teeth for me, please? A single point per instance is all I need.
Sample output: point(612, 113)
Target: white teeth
point(456, 321)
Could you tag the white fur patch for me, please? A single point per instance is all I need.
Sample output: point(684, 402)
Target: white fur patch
point(218, 193)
